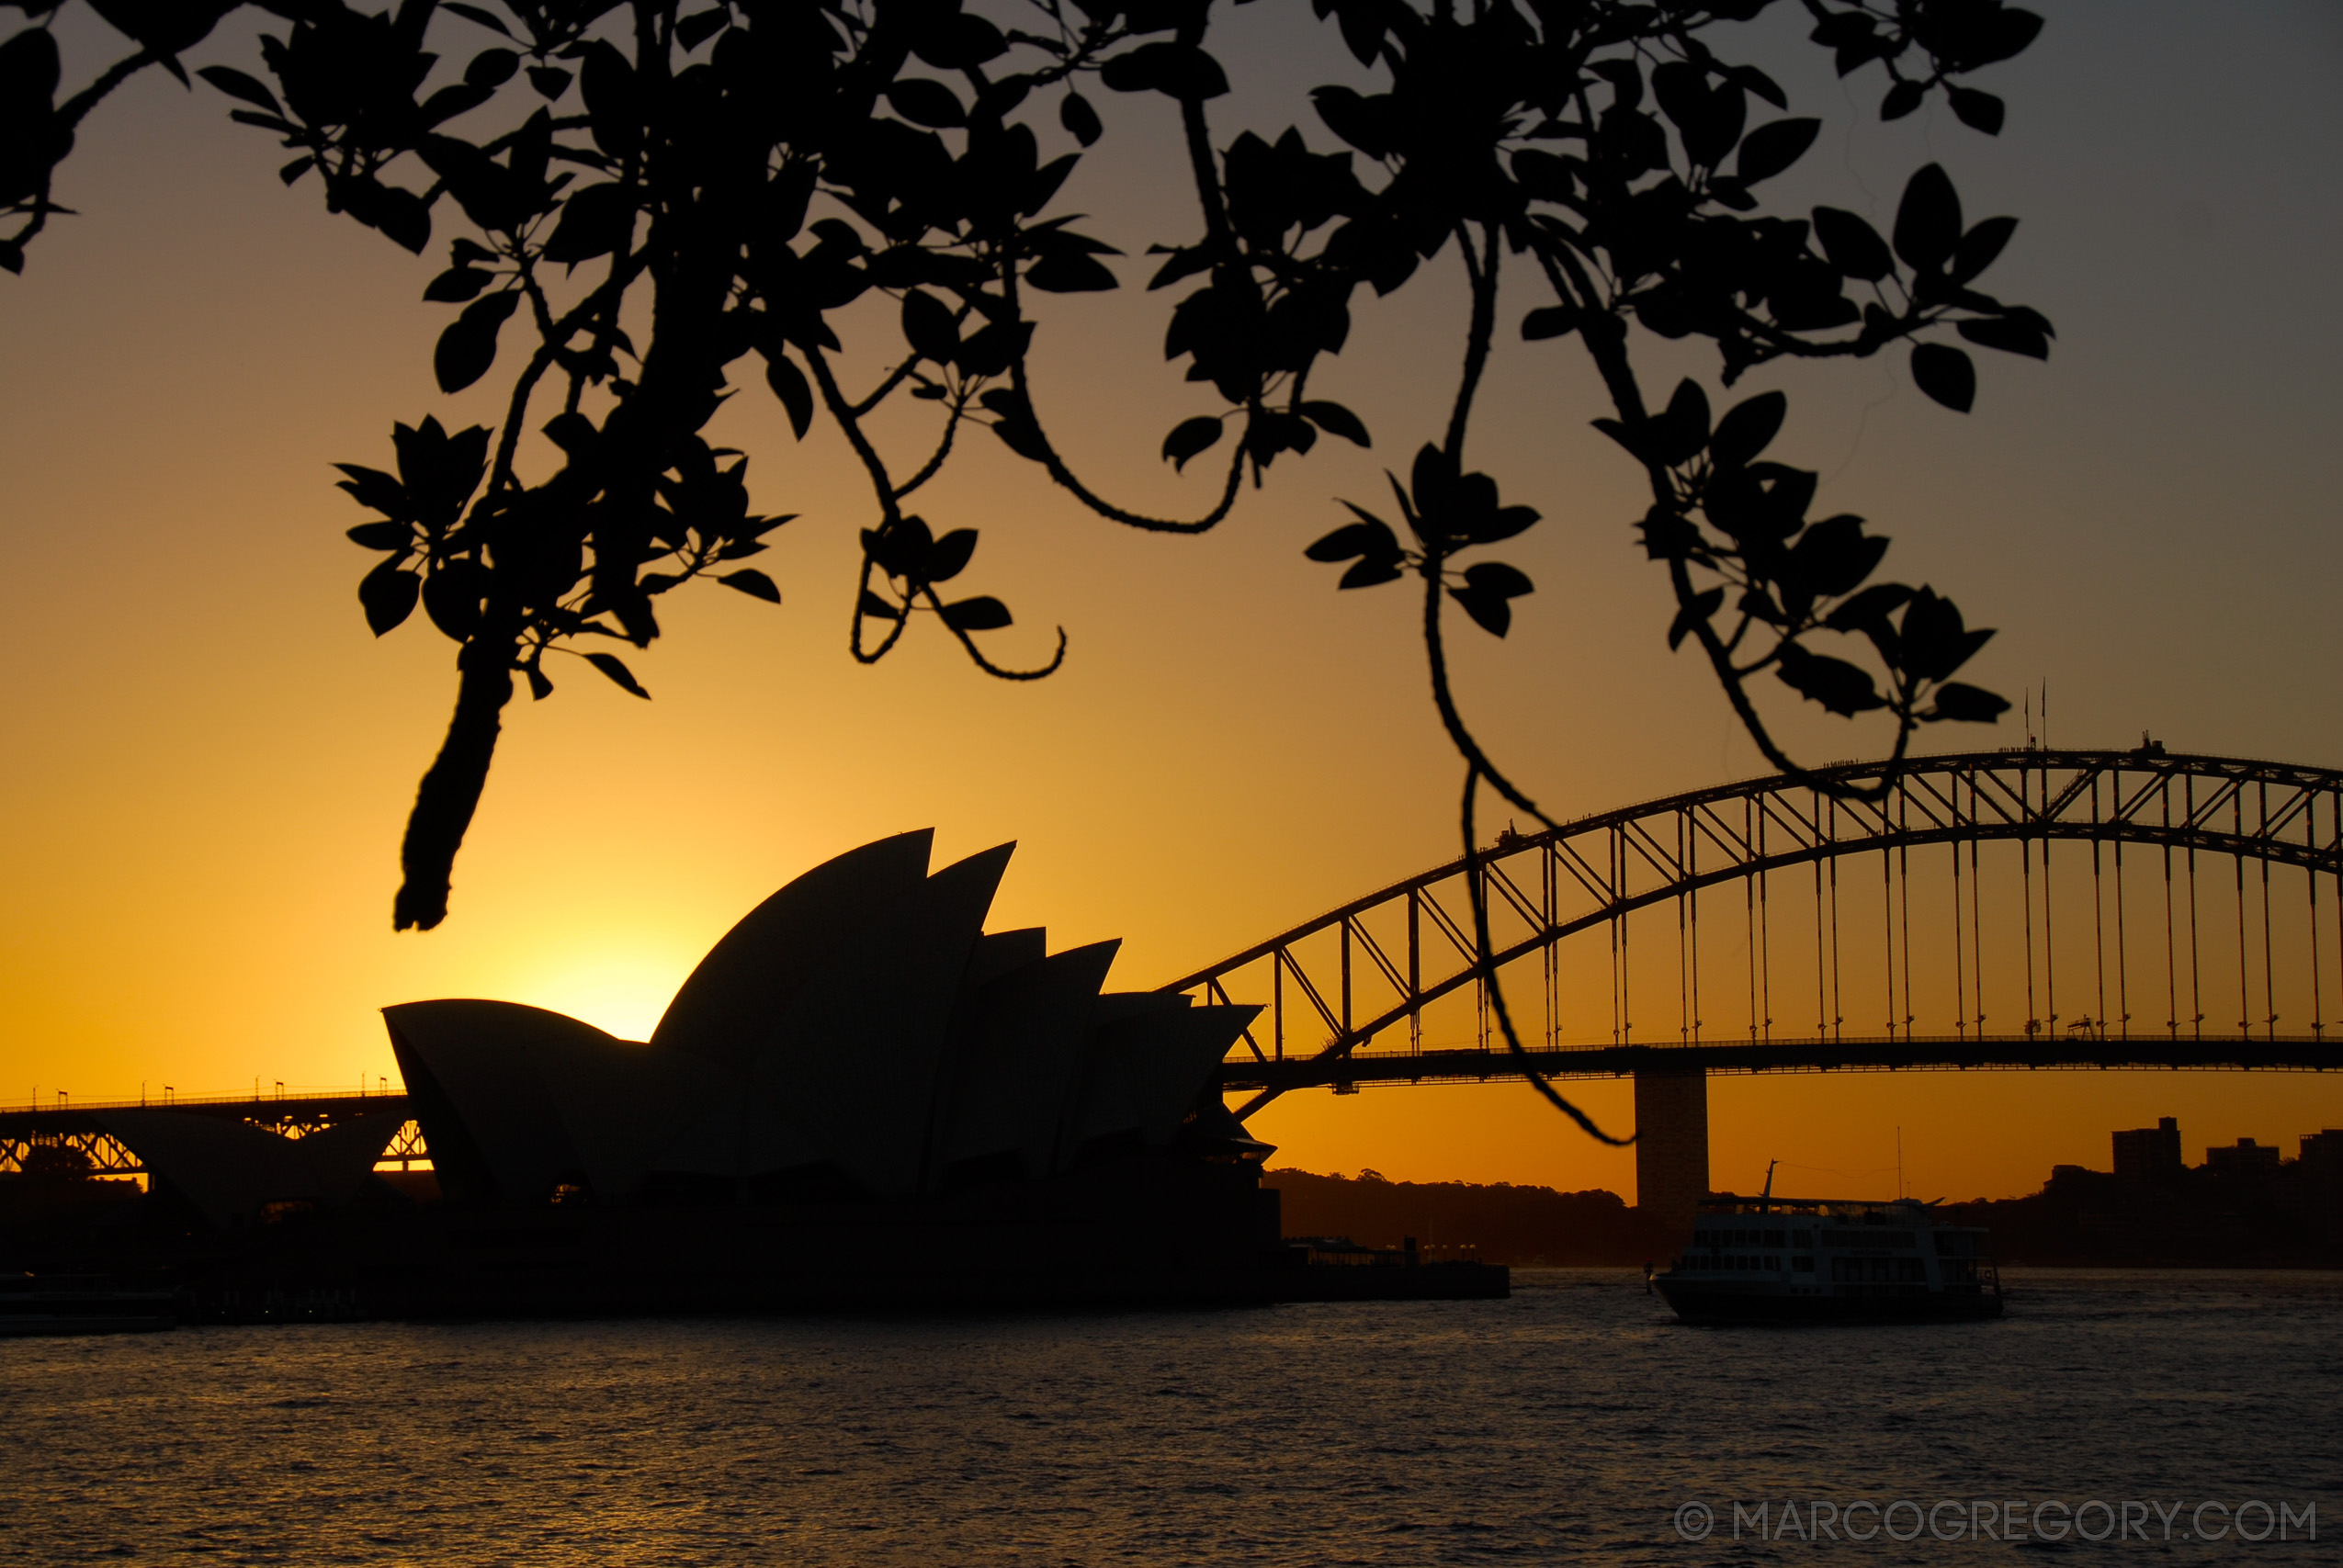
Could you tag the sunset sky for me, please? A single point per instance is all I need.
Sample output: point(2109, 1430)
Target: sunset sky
point(208, 758)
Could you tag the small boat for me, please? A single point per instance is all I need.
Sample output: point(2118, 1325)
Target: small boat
point(1767, 1259)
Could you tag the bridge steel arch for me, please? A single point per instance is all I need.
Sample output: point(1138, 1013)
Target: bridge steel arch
point(1596, 872)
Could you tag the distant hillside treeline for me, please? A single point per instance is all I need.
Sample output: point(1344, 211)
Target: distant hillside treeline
point(1506, 1224)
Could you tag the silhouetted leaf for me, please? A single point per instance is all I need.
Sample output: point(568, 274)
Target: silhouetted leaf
point(1748, 428)
point(1834, 556)
point(1080, 119)
point(1979, 246)
point(451, 596)
point(456, 284)
point(697, 28)
point(595, 222)
point(610, 664)
point(1869, 609)
point(1488, 594)
point(753, 583)
point(387, 595)
point(984, 614)
point(1841, 688)
point(1370, 537)
point(550, 81)
point(383, 536)
point(1678, 433)
point(491, 67)
point(1336, 420)
point(929, 328)
point(1901, 101)
point(872, 605)
point(540, 684)
point(1369, 570)
point(990, 350)
point(468, 347)
point(1853, 246)
point(2008, 335)
point(1548, 320)
point(237, 85)
point(1176, 70)
point(789, 384)
point(949, 556)
point(1071, 272)
point(1928, 221)
point(1769, 149)
point(924, 101)
point(1189, 437)
point(372, 487)
point(1978, 111)
point(1967, 705)
point(1945, 373)
point(1934, 640)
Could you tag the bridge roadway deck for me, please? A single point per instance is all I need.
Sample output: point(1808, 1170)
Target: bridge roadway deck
point(2285, 1053)
point(1847, 1053)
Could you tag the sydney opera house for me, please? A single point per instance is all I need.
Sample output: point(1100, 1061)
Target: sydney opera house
point(857, 1037)
point(859, 1096)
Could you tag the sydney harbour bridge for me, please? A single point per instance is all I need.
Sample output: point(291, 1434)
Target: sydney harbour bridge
point(2013, 910)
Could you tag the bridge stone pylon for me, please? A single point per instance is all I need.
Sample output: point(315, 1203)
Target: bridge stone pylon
point(1671, 1144)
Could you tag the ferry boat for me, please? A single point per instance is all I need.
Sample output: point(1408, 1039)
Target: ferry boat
point(1769, 1259)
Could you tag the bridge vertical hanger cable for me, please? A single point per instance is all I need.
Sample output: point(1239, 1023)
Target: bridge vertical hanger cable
point(1977, 903)
point(1821, 990)
point(2196, 969)
point(2049, 947)
point(1749, 897)
point(2099, 915)
point(1904, 892)
point(2123, 962)
point(2245, 998)
point(1765, 936)
point(1691, 870)
point(1683, 963)
point(1960, 976)
point(2268, 970)
point(1838, 992)
point(1415, 970)
point(1887, 921)
point(1552, 894)
point(1617, 1037)
point(2171, 960)
point(2310, 880)
point(2026, 886)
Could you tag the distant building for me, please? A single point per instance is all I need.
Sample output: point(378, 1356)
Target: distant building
point(2149, 1155)
point(2323, 1157)
point(2244, 1158)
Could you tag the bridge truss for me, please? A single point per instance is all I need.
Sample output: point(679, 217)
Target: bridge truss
point(2226, 863)
point(81, 1145)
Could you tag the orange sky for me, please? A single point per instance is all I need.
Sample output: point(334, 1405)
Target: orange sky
point(209, 758)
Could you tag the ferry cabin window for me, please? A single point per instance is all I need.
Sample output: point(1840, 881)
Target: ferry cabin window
point(1802, 1265)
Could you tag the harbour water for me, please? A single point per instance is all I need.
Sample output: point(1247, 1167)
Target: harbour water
point(1577, 1419)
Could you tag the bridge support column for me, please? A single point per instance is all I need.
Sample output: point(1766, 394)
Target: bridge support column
point(1671, 1144)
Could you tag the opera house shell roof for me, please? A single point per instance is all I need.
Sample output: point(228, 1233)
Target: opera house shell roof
point(858, 1031)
